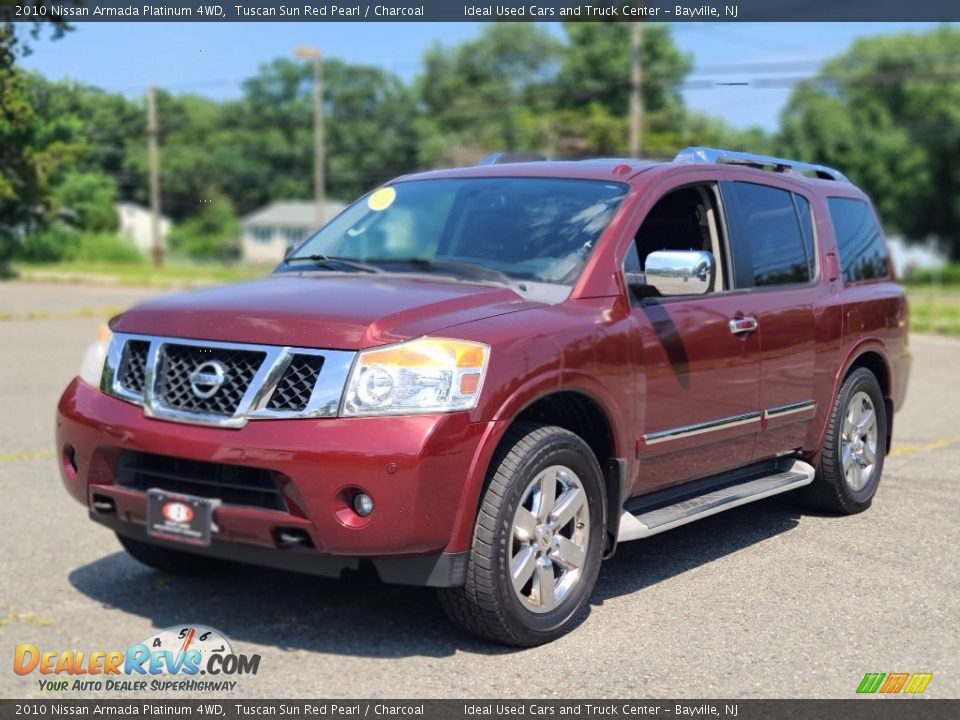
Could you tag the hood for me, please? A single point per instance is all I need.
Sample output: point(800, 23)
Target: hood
point(322, 310)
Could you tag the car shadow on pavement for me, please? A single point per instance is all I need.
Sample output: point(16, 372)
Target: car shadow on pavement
point(641, 564)
point(359, 615)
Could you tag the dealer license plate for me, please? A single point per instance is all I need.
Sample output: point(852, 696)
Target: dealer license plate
point(180, 518)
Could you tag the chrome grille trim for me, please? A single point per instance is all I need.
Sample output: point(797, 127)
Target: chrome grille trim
point(324, 400)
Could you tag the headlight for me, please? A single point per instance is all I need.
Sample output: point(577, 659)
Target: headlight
point(421, 376)
point(92, 369)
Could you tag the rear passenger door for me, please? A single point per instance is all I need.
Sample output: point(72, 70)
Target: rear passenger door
point(775, 257)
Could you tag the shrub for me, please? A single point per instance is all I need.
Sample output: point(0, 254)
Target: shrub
point(212, 233)
point(51, 244)
point(104, 247)
point(58, 243)
point(947, 275)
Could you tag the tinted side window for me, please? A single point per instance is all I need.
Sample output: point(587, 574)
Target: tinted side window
point(770, 227)
point(863, 254)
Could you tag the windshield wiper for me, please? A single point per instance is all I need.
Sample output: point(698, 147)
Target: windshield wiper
point(331, 260)
point(474, 271)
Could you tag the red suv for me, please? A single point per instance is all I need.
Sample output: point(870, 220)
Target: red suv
point(483, 379)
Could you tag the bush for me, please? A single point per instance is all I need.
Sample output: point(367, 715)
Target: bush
point(186, 240)
point(104, 247)
point(211, 234)
point(947, 275)
point(58, 243)
point(51, 244)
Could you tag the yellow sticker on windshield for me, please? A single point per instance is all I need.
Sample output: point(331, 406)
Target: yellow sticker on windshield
point(382, 199)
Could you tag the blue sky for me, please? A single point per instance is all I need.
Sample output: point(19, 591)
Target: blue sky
point(213, 58)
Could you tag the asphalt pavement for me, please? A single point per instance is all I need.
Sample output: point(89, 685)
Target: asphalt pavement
point(766, 600)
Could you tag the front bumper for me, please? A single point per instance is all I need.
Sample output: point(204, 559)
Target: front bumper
point(417, 469)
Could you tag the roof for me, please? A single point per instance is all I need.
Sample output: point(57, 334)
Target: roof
point(123, 206)
point(621, 169)
point(611, 169)
point(291, 213)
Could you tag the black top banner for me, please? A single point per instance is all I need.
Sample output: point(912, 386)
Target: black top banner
point(482, 10)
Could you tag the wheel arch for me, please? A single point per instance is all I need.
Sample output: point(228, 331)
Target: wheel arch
point(877, 364)
point(574, 409)
point(869, 354)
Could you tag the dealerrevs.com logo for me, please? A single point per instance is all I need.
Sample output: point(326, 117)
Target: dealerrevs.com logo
point(187, 658)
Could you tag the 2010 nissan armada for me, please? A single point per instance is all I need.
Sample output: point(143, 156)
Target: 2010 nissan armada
point(483, 379)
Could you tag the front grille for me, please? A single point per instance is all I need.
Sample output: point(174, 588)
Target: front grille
point(133, 365)
point(177, 363)
point(232, 484)
point(295, 387)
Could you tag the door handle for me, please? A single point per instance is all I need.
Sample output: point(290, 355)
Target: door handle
point(738, 326)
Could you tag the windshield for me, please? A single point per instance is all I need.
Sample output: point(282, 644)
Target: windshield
point(536, 229)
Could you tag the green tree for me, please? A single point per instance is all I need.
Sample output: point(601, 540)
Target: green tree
point(103, 128)
point(887, 113)
point(596, 67)
point(85, 200)
point(211, 233)
point(516, 86)
point(25, 163)
point(369, 124)
point(486, 93)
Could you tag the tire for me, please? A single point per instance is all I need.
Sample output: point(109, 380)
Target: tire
point(516, 528)
point(174, 562)
point(844, 484)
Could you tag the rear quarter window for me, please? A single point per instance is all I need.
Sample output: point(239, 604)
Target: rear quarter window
point(780, 248)
point(863, 253)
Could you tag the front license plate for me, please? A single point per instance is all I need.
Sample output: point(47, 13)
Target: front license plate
point(181, 518)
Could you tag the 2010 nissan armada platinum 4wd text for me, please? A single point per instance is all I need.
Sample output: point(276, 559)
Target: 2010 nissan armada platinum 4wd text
point(483, 379)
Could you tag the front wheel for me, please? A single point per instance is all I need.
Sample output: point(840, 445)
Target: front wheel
point(537, 543)
point(851, 459)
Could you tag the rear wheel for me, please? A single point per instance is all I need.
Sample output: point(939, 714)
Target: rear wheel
point(537, 543)
point(851, 459)
point(175, 562)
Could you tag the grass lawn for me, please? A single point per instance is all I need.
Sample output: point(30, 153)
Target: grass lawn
point(174, 274)
point(935, 311)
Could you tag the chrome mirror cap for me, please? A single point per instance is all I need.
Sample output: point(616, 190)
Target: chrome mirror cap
point(680, 272)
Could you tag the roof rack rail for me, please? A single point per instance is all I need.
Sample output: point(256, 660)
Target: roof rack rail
point(763, 162)
point(502, 158)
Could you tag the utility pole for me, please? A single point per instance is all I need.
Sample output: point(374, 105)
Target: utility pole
point(319, 141)
point(153, 160)
point(636, 83)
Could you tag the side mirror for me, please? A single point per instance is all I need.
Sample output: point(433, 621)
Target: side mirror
point(288, 251)
point(680, 272)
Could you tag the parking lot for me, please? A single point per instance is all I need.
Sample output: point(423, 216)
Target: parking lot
point(762, 601)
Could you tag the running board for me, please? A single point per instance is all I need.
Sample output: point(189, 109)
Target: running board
point(790, 475)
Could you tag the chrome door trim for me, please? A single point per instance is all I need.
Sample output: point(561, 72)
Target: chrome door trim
point(686, 431)
point(788, 409)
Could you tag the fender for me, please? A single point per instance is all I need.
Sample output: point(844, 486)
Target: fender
point(818, 427)
point(525, 396)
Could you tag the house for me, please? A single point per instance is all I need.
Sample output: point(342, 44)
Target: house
point(135, 224)
point(268, 232)
point(907, 257)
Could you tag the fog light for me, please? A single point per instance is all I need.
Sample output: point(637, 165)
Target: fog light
point(362, 504)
